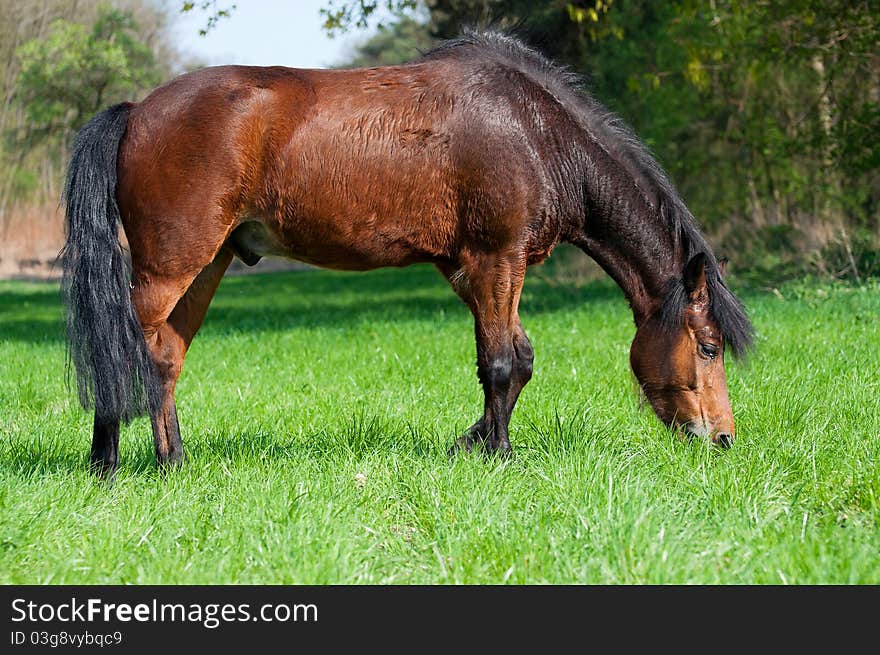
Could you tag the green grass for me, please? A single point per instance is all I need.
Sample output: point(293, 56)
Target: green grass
point(317, 408)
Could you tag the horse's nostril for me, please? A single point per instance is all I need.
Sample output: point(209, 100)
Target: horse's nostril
point(723, 439)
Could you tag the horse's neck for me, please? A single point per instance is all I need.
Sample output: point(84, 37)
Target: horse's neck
point(636, 247)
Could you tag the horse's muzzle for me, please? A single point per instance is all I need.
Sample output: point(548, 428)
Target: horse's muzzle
point(721, 438)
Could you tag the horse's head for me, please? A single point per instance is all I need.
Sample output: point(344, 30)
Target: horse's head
point(678, 355)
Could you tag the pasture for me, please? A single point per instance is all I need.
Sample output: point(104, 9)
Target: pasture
point(317, 408)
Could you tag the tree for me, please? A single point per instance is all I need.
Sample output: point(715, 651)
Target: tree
point(762, 112)
point(215, 12)
point(339, 15)
point(396, 43)
point(60, 61)
point(342, 15)
point(75, 71)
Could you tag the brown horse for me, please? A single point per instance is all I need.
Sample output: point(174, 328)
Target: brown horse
point(480, 157)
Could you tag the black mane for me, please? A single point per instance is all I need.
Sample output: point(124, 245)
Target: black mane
point(614, 136)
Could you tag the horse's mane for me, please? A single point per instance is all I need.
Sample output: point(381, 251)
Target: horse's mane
point(619, 141)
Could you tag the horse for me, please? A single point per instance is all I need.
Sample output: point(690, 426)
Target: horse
point(478, 157)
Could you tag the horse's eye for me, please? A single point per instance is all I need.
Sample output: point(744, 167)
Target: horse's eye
point(709, 350)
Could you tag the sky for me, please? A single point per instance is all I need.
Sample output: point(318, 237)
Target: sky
point(264, 33)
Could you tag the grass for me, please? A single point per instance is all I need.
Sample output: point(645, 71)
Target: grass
point(317, 408)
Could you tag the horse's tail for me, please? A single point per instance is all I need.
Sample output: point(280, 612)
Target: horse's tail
point(114, 371)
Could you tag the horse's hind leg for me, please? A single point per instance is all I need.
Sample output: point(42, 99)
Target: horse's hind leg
point(171, 319)
point(105, 447)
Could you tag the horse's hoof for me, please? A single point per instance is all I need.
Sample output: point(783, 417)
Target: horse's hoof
point(469, 443)
point(104, 471)
point(464, 443)
point(171, 462)
point(502, 449)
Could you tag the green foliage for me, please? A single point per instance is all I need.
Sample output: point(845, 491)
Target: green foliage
point(395, 43)
point(215, 13)
point(341, 15)
point(782, 98)
point(77, 70)
point(22, 183)
point(317, 407)
point(59, 63)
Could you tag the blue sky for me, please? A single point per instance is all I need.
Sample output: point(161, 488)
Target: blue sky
point(264, 33)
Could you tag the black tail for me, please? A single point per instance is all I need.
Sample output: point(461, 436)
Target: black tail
point(114, 371)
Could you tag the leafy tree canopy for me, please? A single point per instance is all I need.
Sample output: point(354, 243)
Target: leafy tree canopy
point(76, 71)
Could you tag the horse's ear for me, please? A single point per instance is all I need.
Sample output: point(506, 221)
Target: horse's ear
point(694, 278)
point(722, 266)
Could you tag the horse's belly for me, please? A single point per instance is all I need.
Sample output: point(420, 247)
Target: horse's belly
point(322, 243)
point(346, 255)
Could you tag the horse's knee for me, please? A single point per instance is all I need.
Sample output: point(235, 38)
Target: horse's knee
point(497, 369)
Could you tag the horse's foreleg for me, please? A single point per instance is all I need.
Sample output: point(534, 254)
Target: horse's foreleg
point(521, 373)
point(169, 340)
point(491, 285)
point(523, 358)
